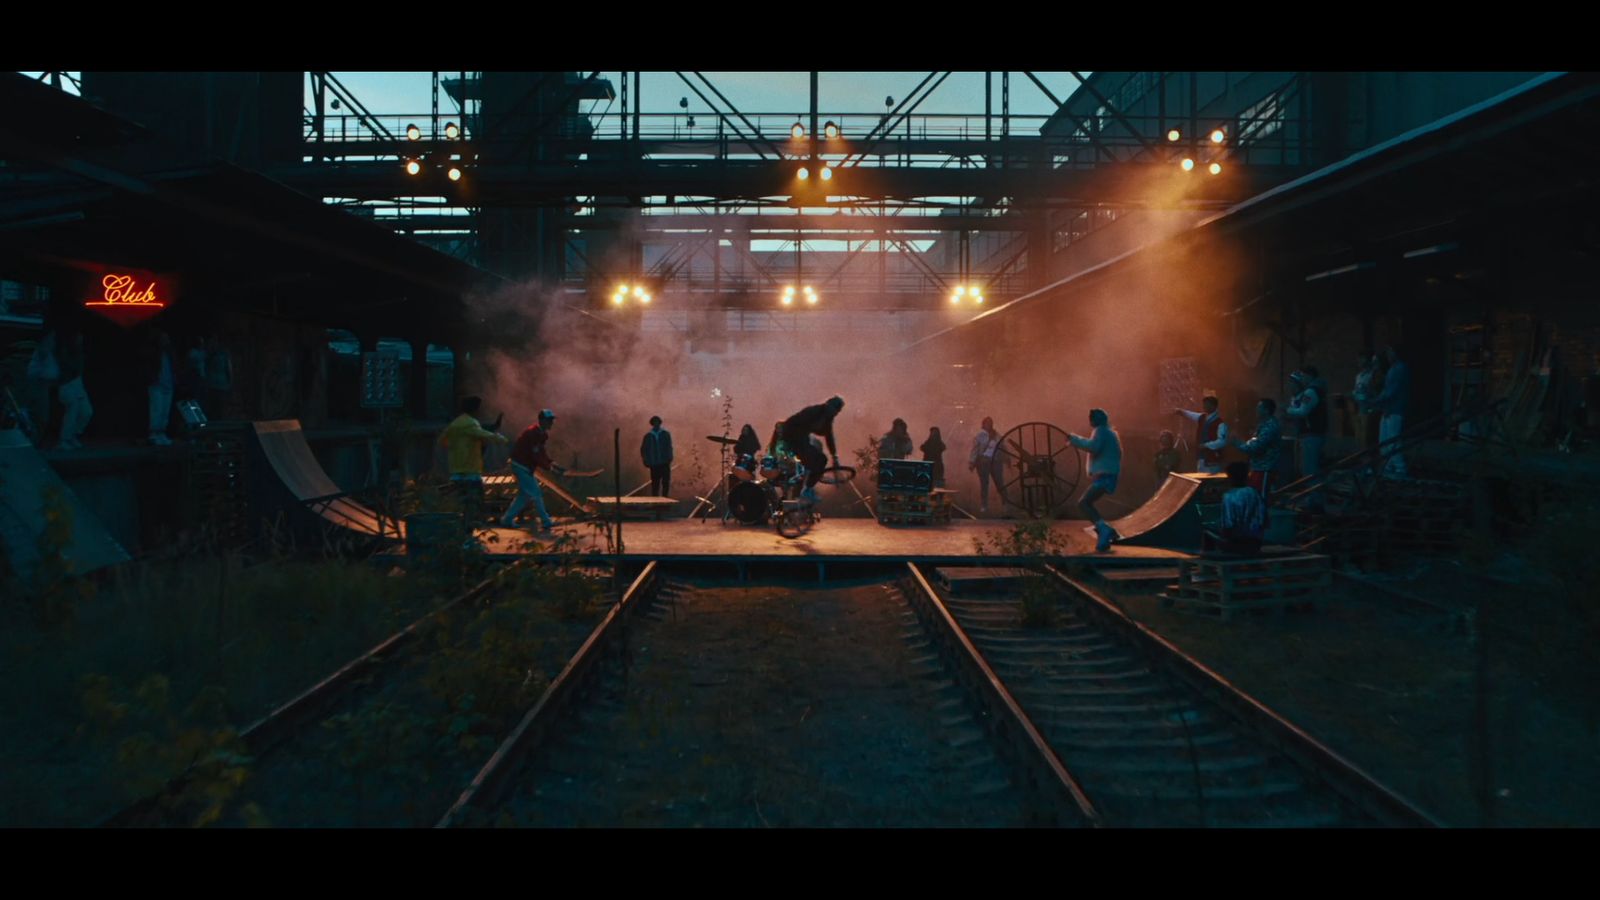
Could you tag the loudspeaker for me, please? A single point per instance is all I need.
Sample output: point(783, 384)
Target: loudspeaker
point(193, 416)
point(905, 475)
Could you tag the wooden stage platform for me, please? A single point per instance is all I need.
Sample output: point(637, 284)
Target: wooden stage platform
point(857, 541)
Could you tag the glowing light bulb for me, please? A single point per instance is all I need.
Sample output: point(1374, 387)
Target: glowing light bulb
point(1217, 136)
point(452, 130)
point(413, 133)
point(831, 130)
point(454, 173)
point(1173, 135)
point(803, 174)
point(413, 167)
point(1216, 168)
point(798, 131)
point(827, 173)
point(1187, 164)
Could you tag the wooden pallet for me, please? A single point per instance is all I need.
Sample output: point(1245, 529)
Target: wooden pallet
point(914, 518)
point(606, 507)
point(896, 507)
point(1224, 586)
point(976, 579)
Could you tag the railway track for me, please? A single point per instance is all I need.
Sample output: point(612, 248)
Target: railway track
point(1150, 736)
point(751, 706)
point(874, 703)
point(286, 748)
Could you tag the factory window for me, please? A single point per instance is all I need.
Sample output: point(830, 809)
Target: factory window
point(1261, 120)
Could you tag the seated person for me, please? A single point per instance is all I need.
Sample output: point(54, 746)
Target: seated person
point(1244, 516)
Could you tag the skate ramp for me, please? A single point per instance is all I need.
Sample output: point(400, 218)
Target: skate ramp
point(301, 488)
point(1169, 519)
point(26, 479)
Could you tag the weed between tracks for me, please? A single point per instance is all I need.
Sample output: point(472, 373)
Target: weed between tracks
point(111, 686)
point(1036, 543)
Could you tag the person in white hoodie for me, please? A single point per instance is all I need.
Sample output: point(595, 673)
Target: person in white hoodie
point(1105, 464)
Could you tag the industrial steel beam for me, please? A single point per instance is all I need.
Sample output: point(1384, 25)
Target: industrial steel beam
point(553, 183)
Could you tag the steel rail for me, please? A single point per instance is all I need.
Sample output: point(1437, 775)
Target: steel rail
point(1044, 777)
point(491, 781)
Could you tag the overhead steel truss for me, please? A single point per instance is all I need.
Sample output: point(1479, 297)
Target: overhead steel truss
point(673, 178)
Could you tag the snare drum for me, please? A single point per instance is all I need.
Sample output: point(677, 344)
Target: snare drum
point(769, 467)
point(745, 468)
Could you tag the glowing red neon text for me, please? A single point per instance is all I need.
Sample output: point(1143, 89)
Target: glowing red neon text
point(120, 290)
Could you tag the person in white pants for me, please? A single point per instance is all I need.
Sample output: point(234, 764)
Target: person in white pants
point(72, 394)
point(161, 383)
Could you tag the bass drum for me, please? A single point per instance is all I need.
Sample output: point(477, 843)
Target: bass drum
point(748, 502)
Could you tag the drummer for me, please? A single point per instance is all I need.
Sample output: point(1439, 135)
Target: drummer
point(749, 444)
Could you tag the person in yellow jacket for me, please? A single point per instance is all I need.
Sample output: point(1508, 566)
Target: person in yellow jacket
point(464, 438)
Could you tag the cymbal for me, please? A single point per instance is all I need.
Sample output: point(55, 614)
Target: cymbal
point(718, 439)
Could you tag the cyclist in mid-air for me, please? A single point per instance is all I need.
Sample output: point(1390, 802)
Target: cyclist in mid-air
point(796, 432)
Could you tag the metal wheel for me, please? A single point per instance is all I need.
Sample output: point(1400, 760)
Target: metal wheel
point(1042, 469)
point(793, 523)
point(837, 475)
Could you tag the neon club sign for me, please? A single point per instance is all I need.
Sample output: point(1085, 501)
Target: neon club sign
point(127, 297)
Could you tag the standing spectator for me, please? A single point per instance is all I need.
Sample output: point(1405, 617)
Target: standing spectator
point(1105, 463)
point(933, 451)
point(1210, 435)
point(1262, 448)
point(988, 461)
point(896, 444)
point(464, 439)
point(192, 383)
point(44, 374)
point(161, 388)
point(1364, 393)
point(219, 377)
point(528, 455)
point(656, 451)
point(69, 355)
point(1244, 516)
point(1310, 408)
point(1167, 458)
point(1391, 404)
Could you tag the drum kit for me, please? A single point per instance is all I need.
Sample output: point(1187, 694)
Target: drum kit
point(766, 490)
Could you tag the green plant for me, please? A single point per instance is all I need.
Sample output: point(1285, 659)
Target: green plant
point(155, 745)
point(867, 458)
point(380, 740)
point(57, 587)
point(1035, 543)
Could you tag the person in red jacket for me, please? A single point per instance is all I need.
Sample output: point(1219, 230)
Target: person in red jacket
point(528, 455)
point(1210, 436)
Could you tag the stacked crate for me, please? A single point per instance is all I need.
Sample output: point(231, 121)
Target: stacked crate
point(1222, 586)
point(218, 479)
point(900, 507)
point(1426, 517)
